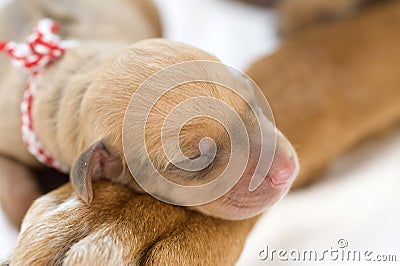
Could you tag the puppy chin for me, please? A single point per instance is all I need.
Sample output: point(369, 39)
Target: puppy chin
point(241, 202)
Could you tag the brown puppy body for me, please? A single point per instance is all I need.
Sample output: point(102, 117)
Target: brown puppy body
point(329, 89)
point(138, 20)
point(124, 228)
point(79, 110)
point(340, 86)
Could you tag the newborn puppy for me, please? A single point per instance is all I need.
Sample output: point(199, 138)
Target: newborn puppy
point(136, 20)
point(330, 88)
point(79, 109)
point(102, 95)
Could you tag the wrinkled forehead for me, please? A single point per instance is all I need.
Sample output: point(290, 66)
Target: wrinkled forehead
point(190, 112)
point(201, 99)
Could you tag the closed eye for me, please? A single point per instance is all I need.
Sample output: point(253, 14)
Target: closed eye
point(195, 163)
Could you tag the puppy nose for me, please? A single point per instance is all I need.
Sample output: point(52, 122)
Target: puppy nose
point(284, 167)
point(283, 171)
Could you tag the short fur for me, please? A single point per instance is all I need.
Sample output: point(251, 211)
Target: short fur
point(348, 70)
point(79, 109)
point(329, 88)
point(138, 20)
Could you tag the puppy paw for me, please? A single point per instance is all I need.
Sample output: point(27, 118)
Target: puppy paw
point(200, 240)
point(120, 227)
point(99, 248)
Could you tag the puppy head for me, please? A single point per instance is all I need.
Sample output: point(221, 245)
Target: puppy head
point(204, 139)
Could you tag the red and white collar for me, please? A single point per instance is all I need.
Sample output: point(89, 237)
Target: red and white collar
point(42, 47)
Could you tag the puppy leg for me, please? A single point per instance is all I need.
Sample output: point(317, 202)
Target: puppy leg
point(115, 229)
point(184, 240)
point(18, 189)
point(298, 14)
point(201, 240)
point(120, 227)
point(49, 229)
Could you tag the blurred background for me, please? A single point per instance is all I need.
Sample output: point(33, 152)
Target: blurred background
point(358, 199)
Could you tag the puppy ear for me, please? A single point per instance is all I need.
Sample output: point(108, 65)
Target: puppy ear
point(95, 163)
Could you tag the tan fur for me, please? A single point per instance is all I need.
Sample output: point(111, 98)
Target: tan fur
point(137, 20)
point(329, 88)
point(349, 71)
point(99, 96)
point(113, 231)
point(82, 99)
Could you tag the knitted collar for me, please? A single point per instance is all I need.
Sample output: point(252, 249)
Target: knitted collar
point(42, 48)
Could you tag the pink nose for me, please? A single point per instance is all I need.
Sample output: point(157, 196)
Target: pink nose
point(283, 177)
point(282, 171)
